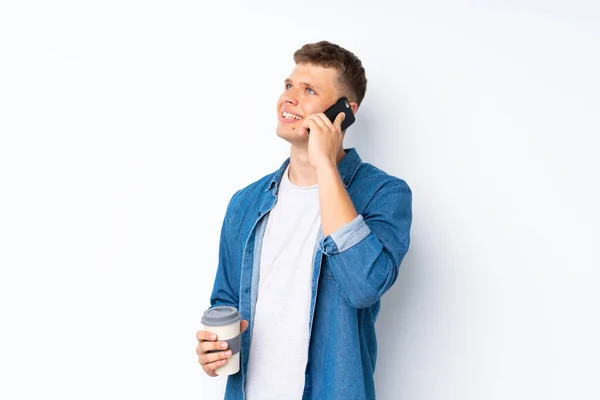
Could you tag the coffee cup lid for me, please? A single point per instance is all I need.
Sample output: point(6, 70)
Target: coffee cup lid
point(221, 316)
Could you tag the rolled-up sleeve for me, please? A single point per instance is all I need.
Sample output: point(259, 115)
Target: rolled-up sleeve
point(345, 237)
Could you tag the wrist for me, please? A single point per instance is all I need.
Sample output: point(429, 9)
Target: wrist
point(326, 166)
point(326, 171)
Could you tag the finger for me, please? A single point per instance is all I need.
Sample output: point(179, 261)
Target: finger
point(321, 120)
point(205, 335)
point(303, 131)
point(207, 346)
point(338, 121)
point(312, 121)
point(212, 357)
point(325, 120)
point(243, 326)
point(211, 367)
point(313, 125)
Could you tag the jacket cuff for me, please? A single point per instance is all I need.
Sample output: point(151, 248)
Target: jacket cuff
point(346, 236)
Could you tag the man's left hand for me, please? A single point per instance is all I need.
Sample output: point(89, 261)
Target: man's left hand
point(325, 139)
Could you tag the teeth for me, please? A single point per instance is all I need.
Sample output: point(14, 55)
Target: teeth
point(287, 115)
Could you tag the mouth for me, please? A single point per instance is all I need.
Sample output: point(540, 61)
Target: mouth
point(288, 116)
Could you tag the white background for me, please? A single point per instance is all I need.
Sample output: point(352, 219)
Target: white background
point(126, 126)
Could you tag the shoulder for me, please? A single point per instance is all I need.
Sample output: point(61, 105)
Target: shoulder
point(254, 189)
point(370, 176)
point(249, 198)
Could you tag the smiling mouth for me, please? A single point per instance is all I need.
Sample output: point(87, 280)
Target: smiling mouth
point(288, 115)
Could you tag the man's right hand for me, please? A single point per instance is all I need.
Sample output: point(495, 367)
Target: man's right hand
point(207, 341)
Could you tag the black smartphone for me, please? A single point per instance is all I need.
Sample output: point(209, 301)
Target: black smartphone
point(342, 105)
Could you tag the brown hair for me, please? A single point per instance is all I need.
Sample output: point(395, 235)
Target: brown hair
point(351, 74)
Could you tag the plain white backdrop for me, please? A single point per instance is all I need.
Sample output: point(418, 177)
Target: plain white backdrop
point(125, 127)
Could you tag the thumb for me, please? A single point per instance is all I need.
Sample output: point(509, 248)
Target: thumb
point(243, 325)
point(338, 121)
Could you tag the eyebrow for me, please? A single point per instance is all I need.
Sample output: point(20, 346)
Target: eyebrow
point(288, 80)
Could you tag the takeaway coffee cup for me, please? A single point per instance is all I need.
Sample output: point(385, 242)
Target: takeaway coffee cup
point(224, 321)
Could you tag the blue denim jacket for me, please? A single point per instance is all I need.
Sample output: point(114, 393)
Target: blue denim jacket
point(353, 268)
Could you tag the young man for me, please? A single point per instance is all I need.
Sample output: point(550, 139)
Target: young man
point(307, 251)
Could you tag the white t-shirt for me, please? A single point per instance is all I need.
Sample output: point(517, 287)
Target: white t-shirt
point(279, 348)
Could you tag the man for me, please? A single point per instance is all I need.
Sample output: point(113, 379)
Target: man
point(307, 252)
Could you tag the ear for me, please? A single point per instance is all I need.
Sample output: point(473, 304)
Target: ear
point(354, 107)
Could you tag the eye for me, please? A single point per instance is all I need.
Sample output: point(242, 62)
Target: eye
point(310, 91)
point(288, 86)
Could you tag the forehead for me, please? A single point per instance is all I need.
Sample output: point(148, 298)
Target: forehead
point(316, 75)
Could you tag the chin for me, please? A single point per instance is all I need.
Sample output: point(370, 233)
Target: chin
point(289, 135)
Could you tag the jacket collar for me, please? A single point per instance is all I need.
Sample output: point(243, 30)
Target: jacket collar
point(347, 168)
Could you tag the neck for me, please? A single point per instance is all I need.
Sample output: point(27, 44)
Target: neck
point(301, 172)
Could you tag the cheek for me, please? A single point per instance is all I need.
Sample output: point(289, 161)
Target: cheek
point(313, 107)
point(281, 97)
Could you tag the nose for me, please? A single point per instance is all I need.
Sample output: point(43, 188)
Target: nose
point(290, 97)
